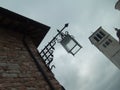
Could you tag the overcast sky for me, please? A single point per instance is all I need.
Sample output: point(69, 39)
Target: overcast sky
point(89, 69)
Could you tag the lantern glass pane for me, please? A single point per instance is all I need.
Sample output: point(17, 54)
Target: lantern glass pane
point(75, 49)
point(70, 45)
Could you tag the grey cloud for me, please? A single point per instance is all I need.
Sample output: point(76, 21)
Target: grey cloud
point(89, 69)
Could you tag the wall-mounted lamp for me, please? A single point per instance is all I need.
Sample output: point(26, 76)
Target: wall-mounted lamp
point(67, 41)
point(70, 44)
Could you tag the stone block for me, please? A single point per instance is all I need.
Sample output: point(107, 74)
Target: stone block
point(9, 75)
point(31, 88)
point(3, 64)
point(13, 66)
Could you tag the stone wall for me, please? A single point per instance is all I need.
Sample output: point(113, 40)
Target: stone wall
point(17, 68)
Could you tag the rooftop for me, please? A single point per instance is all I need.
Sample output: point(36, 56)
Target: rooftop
point(16, 22)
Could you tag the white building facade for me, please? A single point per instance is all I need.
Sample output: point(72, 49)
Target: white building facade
point(108, 45)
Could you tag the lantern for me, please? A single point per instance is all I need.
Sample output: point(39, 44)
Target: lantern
point(70, 44)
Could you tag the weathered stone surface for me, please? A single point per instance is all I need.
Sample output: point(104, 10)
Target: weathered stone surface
point(9, 75)
point(17, 68)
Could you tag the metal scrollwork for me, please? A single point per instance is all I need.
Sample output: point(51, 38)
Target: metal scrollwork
point(66, 32)
point(47, 52)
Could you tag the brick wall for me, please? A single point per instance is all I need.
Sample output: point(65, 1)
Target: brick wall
point(17, 68)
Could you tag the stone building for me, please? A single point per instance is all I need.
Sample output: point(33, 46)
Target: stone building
point(107, 44)
point(21, 66)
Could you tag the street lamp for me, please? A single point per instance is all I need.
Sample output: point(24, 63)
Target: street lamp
point(70, 44)
point(66, 40)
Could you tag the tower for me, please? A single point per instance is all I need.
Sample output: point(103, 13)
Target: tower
point(108, 45)
point(117, 5)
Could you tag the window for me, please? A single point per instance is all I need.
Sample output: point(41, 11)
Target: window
point(107, 43)
point(109, 40)
point(104, 45)
point(99, 36)
point(96, 39)
point(102, 33)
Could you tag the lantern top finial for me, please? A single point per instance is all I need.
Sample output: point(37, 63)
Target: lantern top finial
point(66, 25)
